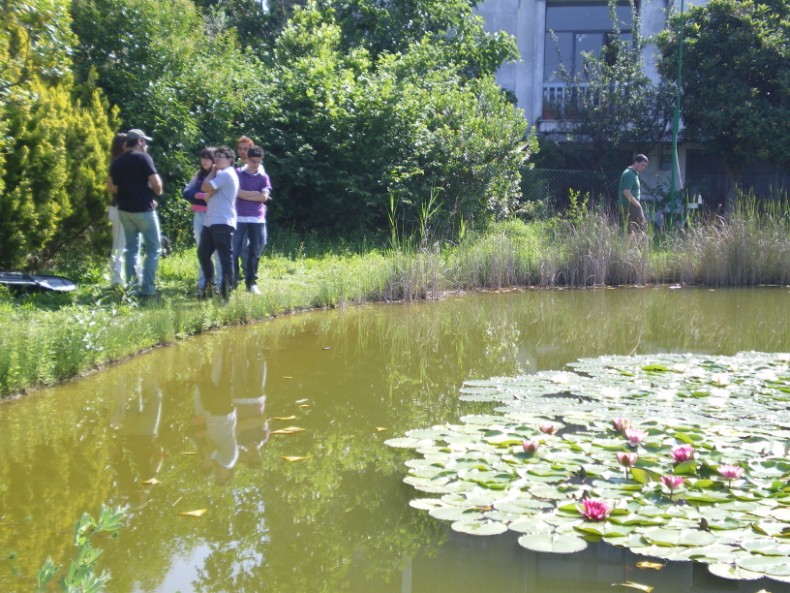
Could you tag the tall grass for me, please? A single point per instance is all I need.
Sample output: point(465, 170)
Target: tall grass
point(45, 339)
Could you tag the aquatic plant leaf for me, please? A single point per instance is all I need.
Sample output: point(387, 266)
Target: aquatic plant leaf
point(292, 458)
point(637, 586)
point(725, 408)
point(195, 513)
point(480, 527)
point(553, 543)
point(650, 565)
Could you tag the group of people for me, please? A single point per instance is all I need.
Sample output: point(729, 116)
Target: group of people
point(228, 200)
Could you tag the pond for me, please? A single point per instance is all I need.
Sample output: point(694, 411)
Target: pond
point(314, 501)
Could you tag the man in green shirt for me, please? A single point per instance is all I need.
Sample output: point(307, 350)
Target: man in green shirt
point(628, 198)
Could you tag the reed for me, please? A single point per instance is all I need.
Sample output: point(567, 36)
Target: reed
point(45, 339)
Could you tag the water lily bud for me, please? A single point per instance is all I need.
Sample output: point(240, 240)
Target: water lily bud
point(627, 459)
point(530, 447)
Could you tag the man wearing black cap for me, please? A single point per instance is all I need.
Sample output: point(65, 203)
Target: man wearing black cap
point(137, 185)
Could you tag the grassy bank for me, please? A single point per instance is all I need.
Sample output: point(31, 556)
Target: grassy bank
point(45, 339)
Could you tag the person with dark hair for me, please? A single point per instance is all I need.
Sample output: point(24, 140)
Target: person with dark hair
point(117, 148)
point(195, 196)
point(250, 236)
point(137, 184)
point(221, 186)
point(628, 197)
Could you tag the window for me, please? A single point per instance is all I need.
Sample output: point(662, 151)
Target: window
point(572, 29)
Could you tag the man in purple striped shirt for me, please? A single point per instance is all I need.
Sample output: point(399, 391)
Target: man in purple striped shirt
point(250, 236)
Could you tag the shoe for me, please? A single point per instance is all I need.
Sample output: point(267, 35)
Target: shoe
point(253, 289)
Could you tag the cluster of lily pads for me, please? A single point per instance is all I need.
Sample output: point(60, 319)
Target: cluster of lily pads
point(600, 454)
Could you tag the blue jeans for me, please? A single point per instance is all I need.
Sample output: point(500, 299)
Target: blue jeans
point(248, 243)
point(219, 238)
point(146, 225)
point(197, 228)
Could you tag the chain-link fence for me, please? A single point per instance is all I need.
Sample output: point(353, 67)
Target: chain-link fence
point(552, 188)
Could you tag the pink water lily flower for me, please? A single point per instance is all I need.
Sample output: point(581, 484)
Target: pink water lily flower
point(627, 460)
point(620, 424)
point(635, 436)
point(547, 428)
point(530, 447)
point(683, 453)
point(595, 509)
point(731, 472)
point(673, 483)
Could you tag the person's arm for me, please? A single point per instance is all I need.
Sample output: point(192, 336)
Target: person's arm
point(253, 196)
point(262, 195)
point(155, 183)
point(630, 197)
point(206, 185)
point(111, 187)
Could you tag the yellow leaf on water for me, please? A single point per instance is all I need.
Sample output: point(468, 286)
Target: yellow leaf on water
point(188, 452)
point(195, 513)
point(637, 586)
point(289, 430)
point(150, 482)
point(304, 405)
point(381, 429)
point(285, 417)
point(653, 565)
point(294, 458)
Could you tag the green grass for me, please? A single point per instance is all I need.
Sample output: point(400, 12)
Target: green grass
point(46, 338)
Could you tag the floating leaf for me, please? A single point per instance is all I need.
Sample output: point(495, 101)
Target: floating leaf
point(285, 417)
point(288, 430)
point(650, 565)
point(637, 586)
point(195, 513)
point(291, 458)
point(381, 429)
point(150, 482)
point(557, 544)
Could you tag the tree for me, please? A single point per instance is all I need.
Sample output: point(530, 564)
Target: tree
point(184, 83)
point(53, 144)
point(613, 105)
point(350, 131)
point(735, 79)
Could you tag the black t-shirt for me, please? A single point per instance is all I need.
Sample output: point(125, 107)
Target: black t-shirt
point(130, 173)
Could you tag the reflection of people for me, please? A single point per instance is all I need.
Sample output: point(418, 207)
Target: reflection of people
point(137, 185)
point(216, 415)
point(250, 236)
point(230, 425)
point(135, 418)
point(628, 197)
point(221, 187)
point(193, 194)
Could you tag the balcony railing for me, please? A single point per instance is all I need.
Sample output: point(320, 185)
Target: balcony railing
point(560, 99)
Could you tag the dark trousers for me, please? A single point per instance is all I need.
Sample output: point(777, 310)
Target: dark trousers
point(219, 238)
point(248, 242)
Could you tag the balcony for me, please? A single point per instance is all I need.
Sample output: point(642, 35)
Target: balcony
point(560, 100)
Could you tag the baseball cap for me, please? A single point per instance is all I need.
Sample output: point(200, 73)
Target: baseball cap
point(136, 134)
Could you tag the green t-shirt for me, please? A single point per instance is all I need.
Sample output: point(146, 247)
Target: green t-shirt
point(628, 180)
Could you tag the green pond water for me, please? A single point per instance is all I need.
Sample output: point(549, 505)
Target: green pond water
point(314, 501)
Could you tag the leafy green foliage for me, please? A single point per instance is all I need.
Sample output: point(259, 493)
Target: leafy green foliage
point(80, 576)
point(413, 119)
point(735, 78)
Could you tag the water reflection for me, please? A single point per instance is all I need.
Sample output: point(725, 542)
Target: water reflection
point(135, 418)
point(339, 520)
